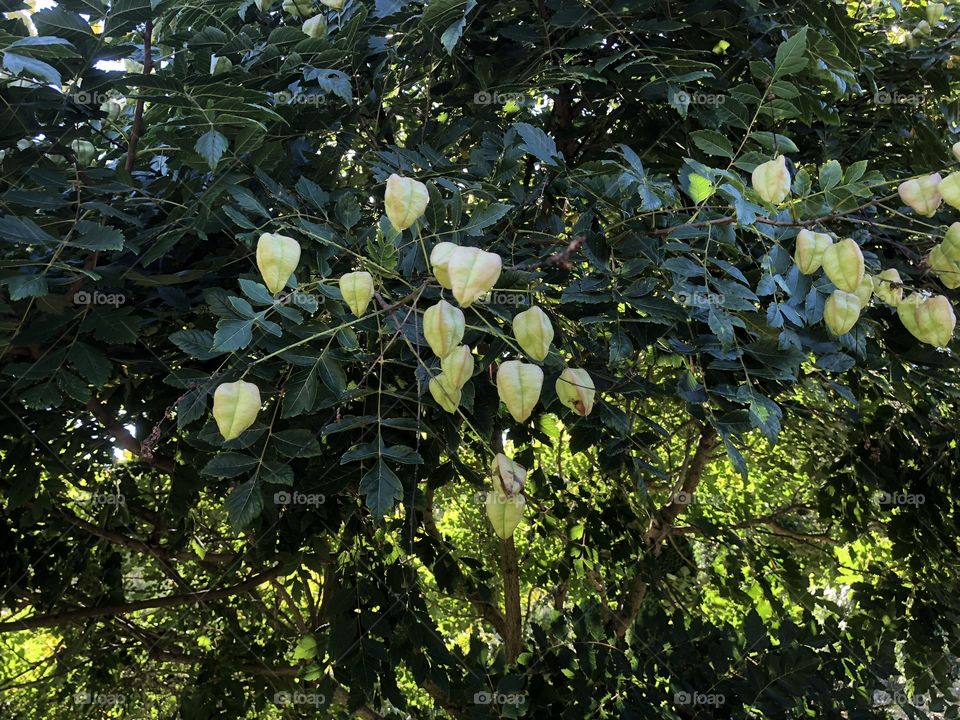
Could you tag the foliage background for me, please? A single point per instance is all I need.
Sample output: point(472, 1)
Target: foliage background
point(604, 151)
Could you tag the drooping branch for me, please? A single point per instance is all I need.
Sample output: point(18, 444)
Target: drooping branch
point(127, 441)
point(73, 616)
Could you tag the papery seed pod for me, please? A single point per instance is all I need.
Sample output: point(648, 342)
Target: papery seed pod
point(297, 8)
point(935, 11)
point(439, 257)
point(907, 312)
point(443, 326)
point(315, 27)
point(333, 4)
point(263, 5)
point(84, 151)
point(810, 248)
point(922, 194)
point(946, 269)
point(864, 290)
point(235, 407)
point(505, 513)
point(889, 287)
point(458, 365)
point(922, 29)
point(951, 242)
point(519, 385)
point(843, 265)
point(936, 320)
point(508, 477)
point(112, 108)
point(771, 180)
point(533, 332)
point(277, 258)
point(445, 393)
point(575, 390)
point(956, 150)
point(220, 65)
point(405, 200)
point(357, 291)
point(473, 272)
point(841, 311)
point(949, 189)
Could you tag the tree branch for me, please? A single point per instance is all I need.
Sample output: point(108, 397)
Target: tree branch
point(72, 616)
point(137, 129)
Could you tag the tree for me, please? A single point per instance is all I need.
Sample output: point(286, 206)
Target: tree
point(757, 517)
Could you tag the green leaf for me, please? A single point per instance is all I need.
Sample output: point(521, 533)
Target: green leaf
point(91, 363)
point(98, 237)
point(382, 489)
point(830, 174)
point(211, 146)
point(791, 55)
point(296, 443)
point(24, 231)
point(486, 217)
point(229, 464)
point(18, 64)
point(25, 286)
point(232, 335)
point(195, 343)
point(244, 504)
point(712, 143)
point(539, 144)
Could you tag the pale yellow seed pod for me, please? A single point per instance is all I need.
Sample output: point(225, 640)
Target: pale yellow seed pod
point(508, 477)
point(519, 385)
point(889, 287)
point(333, 4)
point(864, 290)
point(907, 312)
point(949, 189)
point(810, 248)
point(443, 327)
point(439, 257)
point(505, 513)
point(297, 8)
point(922, 194)
point(956, 150)
point(951, 242)
point(841, 312)
point(946, 269)
point(936, 320)
point(315, 27)
point(575, 390)
point(235, 407)
point(473, 273)
point(277, 258)
point(935, 11)
point(534, 332)
point(357, 291)
point(458, 365)
point(843, 265)
point(445, 393)
point(771, 180)
point(405, 200)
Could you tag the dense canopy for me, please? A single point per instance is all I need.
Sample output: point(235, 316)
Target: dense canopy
point(445, 359)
